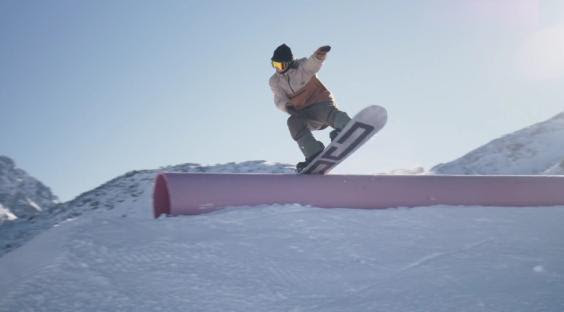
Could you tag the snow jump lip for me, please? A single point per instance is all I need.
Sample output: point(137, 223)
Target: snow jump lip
point(196, 193)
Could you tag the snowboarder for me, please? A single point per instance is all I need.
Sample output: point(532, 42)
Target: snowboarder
point(298, 91)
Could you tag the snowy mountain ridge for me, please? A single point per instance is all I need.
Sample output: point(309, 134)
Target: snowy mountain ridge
point(537, 149)
point(21, 195)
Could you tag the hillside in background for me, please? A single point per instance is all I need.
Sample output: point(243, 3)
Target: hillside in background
point(538, 149)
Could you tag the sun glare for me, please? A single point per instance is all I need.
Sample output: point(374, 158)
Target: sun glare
point(542, 55)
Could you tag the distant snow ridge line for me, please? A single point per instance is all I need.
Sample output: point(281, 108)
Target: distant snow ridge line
point(538, 149)
point(557, 169)
point(136, 184)
point(129, 195)
point(21, 195)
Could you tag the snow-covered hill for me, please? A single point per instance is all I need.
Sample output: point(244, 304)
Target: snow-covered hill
point(118, 196)
point(107, 253)
point(21, 195)
point(538, 149)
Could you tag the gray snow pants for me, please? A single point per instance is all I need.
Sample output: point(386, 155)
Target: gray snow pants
point(315, 117)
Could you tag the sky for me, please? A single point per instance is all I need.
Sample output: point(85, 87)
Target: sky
point(90, 90)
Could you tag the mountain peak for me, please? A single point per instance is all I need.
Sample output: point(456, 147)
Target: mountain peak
point(21, 194)
point(7, 162)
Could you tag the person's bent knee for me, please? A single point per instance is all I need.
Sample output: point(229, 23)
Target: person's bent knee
point(297, 127)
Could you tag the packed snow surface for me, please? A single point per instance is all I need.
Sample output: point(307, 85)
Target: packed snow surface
point(291, 258)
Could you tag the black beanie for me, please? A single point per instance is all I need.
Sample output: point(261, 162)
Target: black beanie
point(283, 54)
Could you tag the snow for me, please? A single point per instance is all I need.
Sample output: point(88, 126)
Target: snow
point(33, 205)
point(26, 196)
point(6, 214)
point(285, 257)
point(114, 194)
point(532, 150)
point(557, 169)
point(412, 171)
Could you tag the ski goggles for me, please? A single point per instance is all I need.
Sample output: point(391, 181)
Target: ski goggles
point(280, 65)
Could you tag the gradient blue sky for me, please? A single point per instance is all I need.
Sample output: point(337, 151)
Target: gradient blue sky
point(92, 89)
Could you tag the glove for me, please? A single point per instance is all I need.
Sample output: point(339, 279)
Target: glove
point(321, 53)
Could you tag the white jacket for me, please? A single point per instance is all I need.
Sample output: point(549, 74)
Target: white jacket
point(299, 86)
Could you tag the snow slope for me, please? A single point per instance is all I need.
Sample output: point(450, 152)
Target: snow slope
point(534, 150)
point(106, 253)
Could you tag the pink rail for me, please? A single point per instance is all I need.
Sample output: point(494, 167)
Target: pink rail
point(196, 193)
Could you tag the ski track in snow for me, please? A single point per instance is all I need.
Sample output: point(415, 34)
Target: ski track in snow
point(436, 255)
point(293, 258)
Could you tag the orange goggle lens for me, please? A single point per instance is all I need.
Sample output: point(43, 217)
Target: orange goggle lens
point(279, 65)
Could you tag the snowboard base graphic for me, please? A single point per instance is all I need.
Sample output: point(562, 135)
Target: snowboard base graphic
point(361, 128)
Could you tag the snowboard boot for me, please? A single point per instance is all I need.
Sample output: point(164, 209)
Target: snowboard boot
point(310, 148)
point(333, 134)
point(302, 164)
point(340, 122)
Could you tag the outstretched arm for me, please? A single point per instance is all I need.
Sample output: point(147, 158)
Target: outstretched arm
point(314, 62)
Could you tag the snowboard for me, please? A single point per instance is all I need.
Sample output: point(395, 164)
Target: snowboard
point(361, 128)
